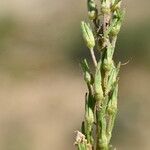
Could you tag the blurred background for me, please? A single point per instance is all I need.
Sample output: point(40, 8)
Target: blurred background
point(41, 84)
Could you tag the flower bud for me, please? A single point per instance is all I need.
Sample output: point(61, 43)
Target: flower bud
point(89, 116)
point(112, 105)
point(107, 64)
point(92, 11)
point(88, 35)
point(113, 78)
point(92, 15)
point(119, 15)
point(86, 70)
point(98, 84)
point(116, 4)
point(99, 96)
point(103, 142)
point(105, 7)
point(115, 30)
point(87, 77)
point(111, 109)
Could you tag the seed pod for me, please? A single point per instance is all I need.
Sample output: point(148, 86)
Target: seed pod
point(88, 35)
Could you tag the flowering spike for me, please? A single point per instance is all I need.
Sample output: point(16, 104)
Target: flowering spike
point(102, 80)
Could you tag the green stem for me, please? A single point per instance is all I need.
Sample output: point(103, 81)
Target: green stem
point(93, 57)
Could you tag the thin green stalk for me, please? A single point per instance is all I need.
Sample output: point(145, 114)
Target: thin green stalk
point(93, 57)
